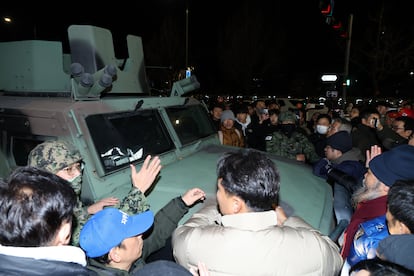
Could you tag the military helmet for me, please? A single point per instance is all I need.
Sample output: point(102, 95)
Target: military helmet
point(54, 155)
point(287, 116)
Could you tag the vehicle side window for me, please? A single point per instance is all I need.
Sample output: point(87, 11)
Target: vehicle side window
point(18, 147)
point(21, 148)
point(190, 122)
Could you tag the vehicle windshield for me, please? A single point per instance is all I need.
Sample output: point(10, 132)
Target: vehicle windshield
point(126, 137)
point(191, 122)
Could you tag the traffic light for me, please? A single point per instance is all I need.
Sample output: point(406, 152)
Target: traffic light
point(337, 25)
point(326, 7)
point(346, 82)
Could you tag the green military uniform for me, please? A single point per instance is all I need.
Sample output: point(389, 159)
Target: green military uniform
point(165, 222)
point(135, 202)
point(53, 156)
point(289, 147)
point(289, 142)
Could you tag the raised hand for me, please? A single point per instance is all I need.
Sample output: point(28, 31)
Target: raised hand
point(147, 174)
point(375, 150)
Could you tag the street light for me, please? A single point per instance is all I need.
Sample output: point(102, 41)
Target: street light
point(347, 54)
point(186, 36)
point(329, 78)
point(7, 19)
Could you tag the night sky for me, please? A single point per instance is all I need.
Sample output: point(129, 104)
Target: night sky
point(310, 46)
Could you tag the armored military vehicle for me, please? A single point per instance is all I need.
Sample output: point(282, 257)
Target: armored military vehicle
point(101, 104)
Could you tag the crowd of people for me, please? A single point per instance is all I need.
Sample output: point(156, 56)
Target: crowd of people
point(367, 158)
point(361, 152)
point(261, 125)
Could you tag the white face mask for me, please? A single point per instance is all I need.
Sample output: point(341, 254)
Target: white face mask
point(321, 129)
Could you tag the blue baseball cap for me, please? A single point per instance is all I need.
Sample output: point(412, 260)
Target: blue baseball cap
point(109, 227)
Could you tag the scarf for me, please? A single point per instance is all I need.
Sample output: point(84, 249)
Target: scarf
point(365, 211)
point(232, 137)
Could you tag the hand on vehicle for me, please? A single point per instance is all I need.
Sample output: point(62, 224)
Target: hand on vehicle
point(147, 174)
point(99, 205)
point(193, 195)
point(301, 157)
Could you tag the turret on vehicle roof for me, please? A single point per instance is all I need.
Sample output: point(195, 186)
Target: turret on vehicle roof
point(89, 72)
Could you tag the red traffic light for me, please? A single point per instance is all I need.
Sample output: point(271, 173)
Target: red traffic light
point(326, 7)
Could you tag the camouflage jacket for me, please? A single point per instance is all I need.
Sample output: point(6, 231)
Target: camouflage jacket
point(135, 202)
point(289, 147)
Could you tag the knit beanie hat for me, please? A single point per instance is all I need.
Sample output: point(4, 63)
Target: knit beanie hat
point(227, 115)
point(395, 164)
point(341, 141)
point(54, 155)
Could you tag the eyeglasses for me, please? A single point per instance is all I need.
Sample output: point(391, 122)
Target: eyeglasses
point(74, 168)
point(396, 128)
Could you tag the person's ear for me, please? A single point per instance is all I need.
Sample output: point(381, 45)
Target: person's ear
point(403, 228)
point(114, 254)
point(238, 204)
point(64, 234)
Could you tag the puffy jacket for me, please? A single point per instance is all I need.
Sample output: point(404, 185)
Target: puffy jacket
point(253, 244)
point(50, 260)
point(366, 240)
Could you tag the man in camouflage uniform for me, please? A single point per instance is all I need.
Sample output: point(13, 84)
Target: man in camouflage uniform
point(289, 142)
point(63, 159)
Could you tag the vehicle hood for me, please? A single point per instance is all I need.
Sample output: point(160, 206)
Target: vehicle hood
point(302, 193)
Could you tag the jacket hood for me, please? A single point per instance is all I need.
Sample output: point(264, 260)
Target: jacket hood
point(352, 155)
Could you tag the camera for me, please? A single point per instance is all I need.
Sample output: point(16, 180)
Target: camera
point(265, 111)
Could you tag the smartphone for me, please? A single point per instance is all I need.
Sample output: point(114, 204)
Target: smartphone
point(375, 122)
